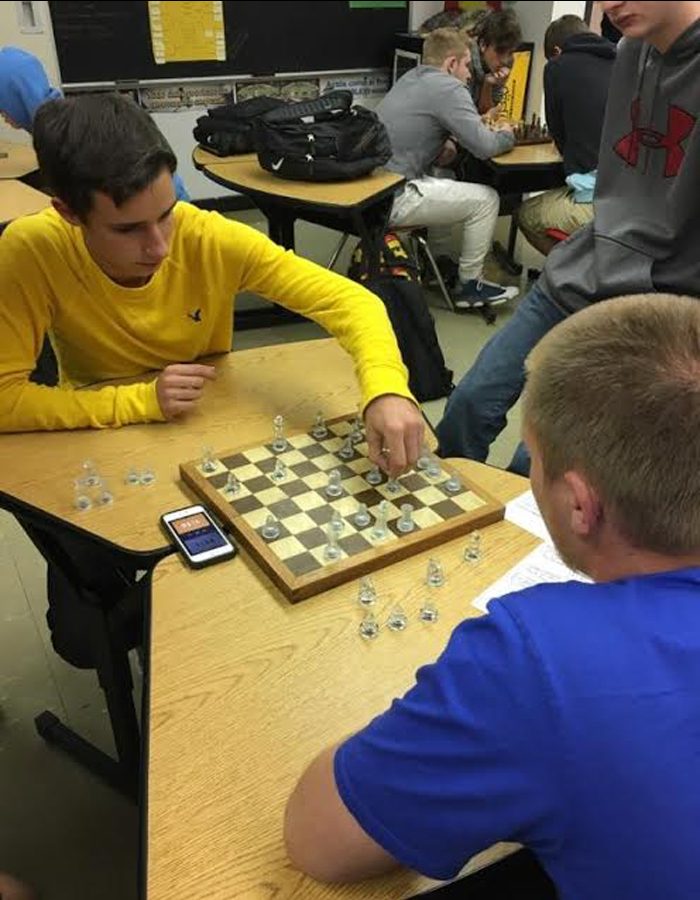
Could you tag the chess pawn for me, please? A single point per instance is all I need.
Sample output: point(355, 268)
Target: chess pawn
point(208, 463)
point(319, 431)
point(428, 612)
point(380, 530)
point(393, 486)
point(232, 485)
point(279, 473)
point(90, 477)
point(332, 549)
point(369, 627)
point(405, 523)
point(104, 496)
point(424, 458)
point(334, 488)
point(347, 451)
point(453, 485)
point(132, 477)
point(435, 577)
point(337, 522)
point(271, 528)
point(367, 593)
point(148, 476)
point(361, 517)
point(279, 443)
point(81, 500)
point(433, 470)
point(398, 620)
point(356, 433)
point(374, 476)
point(472, 553)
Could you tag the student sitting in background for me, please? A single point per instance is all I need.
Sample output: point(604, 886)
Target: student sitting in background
point(24, 86)
point(425, 107)
point(567, 718)
point(495, 37)
point(576, 84)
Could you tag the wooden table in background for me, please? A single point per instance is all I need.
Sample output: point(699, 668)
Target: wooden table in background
point(245, 689)
point(20, 160)
point(18, 199)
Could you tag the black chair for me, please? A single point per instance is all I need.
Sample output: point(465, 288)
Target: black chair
point(516, 877)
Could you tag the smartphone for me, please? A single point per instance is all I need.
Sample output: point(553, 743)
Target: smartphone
point(197, 536)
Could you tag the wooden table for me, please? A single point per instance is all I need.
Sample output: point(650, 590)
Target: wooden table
point(202, 158)
point(16, 160)
point(529, 155)
point(18, 199)
point(245, 689)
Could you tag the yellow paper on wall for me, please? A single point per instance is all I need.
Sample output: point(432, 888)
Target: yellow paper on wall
point(187, 31)
point(513, 102)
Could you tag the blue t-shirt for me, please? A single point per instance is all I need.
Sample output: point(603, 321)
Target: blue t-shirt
point(567, 719)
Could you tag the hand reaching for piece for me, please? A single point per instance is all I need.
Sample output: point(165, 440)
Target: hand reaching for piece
point(179, 387)
point(394, 427)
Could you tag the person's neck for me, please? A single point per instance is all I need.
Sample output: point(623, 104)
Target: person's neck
point(687, 14)
point(617, 563)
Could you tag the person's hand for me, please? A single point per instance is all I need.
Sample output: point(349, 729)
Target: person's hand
point(447, 155)
point(499, 77)
point(179, 387)
point(394, 427)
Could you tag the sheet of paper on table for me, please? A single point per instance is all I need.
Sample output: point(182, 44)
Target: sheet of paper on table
point(543, 564)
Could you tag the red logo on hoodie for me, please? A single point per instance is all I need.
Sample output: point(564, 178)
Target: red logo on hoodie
point(679, 125)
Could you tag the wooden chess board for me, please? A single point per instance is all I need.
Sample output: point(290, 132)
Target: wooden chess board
point(295, 560)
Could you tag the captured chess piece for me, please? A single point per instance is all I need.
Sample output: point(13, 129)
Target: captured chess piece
point(334, 487)
point(332, 549)
point(367, 593)
point(319, 430)
point(81, 499)
point(398, 620)
point(271, 528)
point(428, 612)
point(369, 627)
point(132, 477)
point(279, 442)
point(405, 523)
point(148, 476)
point(472, 554)
point(374, 476)
point(435, 577)
point(104, 496)
point(362, 517)
point(381, 530)
point(208, 463)
point(90, 477)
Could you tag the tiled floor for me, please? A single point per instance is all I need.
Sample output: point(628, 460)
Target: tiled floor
point(60, 829)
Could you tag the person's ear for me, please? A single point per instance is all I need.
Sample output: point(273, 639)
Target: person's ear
point(64, 211)
point(584, 507)
point(556, 51)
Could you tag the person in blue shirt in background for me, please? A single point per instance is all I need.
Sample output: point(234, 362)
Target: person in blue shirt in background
point(567, 718)
point(24, 86)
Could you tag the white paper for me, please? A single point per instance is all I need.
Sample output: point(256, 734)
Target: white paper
point(542, 565)
point(525, 513)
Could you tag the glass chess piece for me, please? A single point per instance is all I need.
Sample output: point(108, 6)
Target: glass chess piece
point(367, 593)
point(90, 477)
point(337, 522)
point(271, 528)
point(424, 459)
point(453, 485)
point(347, 451)
point(279, 473)
point(392, 486)
point(334, 488)
point(104, 496)
point(356, 433)
point(319, 430)
point(405, 522)
point(398, 620)
point(435, 577)
point(233, 485)
point(428, 612)
point(362, 517)
point(148, 476)
point(472, 552)
point(81, 500)
point(433, 470)
point(381, 530)
point(279, 442)
point(208, 463)
point(332, 549)
point(374, 476)
point(132, 477)
point(369, 627)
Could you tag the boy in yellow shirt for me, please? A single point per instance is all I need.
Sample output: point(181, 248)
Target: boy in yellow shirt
point(127, 281)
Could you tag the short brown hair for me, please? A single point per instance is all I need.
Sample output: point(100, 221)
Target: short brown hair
point(559, 30)
point(443, 43)
point(614, 392)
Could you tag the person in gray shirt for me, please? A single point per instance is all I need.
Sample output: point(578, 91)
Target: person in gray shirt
point(646, 213)
point(425, 108)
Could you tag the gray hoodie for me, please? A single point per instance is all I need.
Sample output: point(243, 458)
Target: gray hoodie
point(426, 106)
point(645, 235)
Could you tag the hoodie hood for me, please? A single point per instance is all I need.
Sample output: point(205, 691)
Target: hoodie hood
point(23, 86)
point(592, 44)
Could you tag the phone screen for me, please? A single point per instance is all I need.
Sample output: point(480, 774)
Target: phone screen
point(197, 534)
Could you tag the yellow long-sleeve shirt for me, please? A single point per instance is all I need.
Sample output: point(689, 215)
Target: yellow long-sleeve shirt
point(101, 330)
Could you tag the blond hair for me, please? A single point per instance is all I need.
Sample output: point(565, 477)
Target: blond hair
point(443, 43)
point(614, 392)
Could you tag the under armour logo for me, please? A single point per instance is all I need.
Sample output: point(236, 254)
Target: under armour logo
point(679, 125)
point(195, 315)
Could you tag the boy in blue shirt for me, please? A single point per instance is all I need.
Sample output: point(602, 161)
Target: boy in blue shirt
point(568, 718)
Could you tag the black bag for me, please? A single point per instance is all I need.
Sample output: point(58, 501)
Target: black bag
point(327, 139)
point(228, 129)
point(398, 286)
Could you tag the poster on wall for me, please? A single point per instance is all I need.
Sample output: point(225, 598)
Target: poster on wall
point(515, 92)
point(187, 31)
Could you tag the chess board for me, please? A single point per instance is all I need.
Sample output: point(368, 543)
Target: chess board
point(295, 560)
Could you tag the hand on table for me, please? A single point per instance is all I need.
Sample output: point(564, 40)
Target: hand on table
point(394, 427)
point(179, 387)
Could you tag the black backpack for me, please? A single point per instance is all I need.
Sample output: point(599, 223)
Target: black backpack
point(228, 129)
point(397, 284)
point(327, 139)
